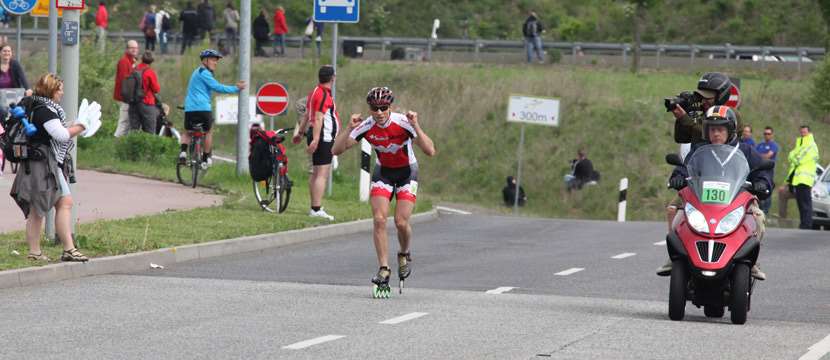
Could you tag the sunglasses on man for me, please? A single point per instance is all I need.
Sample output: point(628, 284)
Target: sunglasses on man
point(379, 108)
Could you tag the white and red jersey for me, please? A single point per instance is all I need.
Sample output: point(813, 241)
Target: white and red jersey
point(392, 141)
point(320, 100)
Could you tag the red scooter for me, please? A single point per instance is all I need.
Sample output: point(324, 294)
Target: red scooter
point(713, 245)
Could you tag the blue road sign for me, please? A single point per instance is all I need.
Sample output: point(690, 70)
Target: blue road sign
point(19, 7)
point(345, 11)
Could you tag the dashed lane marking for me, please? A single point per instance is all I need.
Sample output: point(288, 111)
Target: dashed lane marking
point(660, 243)
point(569, 271)
point(500, 290)
point(455, 211)
point(623, 255)
point(818, 350)
point(312, 342)
point(403, 318)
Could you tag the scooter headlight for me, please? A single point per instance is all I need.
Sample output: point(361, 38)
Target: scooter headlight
point(730, 222)
point(696, 219)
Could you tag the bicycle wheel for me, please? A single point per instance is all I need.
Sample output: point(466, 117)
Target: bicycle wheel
point(265, 194)
point(183, 170)
point(283, 191)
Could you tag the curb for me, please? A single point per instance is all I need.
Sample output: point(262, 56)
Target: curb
point(169, 256)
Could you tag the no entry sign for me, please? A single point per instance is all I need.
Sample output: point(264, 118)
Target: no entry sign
point(272, 99)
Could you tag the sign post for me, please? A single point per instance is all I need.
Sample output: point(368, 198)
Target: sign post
point(335, 11)
point(532, 110)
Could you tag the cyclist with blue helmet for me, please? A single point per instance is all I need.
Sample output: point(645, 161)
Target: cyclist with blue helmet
point(198, 105)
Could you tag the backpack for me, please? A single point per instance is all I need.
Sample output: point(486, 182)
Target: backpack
point(260, 162)
point(132, 88)
point(13, 141)
point(165, 23)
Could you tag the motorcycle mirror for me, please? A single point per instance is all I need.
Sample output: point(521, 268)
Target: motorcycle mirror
point(674, 159)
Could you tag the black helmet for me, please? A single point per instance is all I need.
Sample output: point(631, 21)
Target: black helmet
point(714, 85)
point(380, 96)
point(720, 115)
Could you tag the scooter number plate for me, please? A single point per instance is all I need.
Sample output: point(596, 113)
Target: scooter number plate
point(715, 192)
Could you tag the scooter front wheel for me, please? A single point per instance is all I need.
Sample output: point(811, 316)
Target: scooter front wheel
point(740, 294)
point(677, 290)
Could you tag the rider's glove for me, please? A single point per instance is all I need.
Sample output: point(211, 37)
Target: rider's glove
point(760, 188)
point(677, 182)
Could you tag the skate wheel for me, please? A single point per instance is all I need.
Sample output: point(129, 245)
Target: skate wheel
point(380, 292)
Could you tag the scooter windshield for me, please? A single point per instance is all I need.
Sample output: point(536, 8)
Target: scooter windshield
point(717, 173)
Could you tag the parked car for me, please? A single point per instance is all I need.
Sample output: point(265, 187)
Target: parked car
point(794, 58)
point(821, 200)
point(769, 58)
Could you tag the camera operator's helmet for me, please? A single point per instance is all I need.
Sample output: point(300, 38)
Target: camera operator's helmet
point(380, 96)
point(209, 53)
point(714, 85)
point(720, 115)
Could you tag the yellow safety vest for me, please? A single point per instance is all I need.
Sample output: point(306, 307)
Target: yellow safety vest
point(803, 160)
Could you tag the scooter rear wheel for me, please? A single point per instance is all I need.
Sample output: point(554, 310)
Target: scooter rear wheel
point(740, 294)
point(677, 290)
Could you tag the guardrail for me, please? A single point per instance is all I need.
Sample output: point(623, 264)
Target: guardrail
point(726, 51)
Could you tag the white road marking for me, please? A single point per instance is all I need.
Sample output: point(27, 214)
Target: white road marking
point(224, 159)
point(456, 211)
point(569, 271)
point(818, 350)
point(660, 243)
point(312, 342)
point(623, 255)
point(500, 290)
point(403, 318)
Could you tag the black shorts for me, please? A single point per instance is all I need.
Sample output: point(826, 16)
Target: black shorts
point(193, 118)
point(402, 183)
point(321, 156)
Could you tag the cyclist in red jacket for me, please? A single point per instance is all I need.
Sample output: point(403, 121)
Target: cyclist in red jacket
point(392, 135)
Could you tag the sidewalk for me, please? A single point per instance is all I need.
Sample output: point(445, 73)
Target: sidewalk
point(110, 196)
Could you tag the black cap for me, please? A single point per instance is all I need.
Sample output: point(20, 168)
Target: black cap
point(326, 70)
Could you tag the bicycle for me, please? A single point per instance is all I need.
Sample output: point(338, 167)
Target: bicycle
point(274, 193)
point(195, 160)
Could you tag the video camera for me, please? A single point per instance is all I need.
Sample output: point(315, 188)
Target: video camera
point(688, 100)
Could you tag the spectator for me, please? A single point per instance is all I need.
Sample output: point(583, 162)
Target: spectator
point(45, 183)
point(143, 115)
point(532, 30)
point(768, 149)
point(319, 27)
point(508, 193)
point(190, 26)
point(582, 172)
point(746, 136)
point(261, 31)
point(148, 27)
point(231, 26)
point(101, 23)
point(325, 123)
point(11, 72)
point(280, 29)
point(206, 18)
point(800, 178)
point(122, 70)
point(163, 27)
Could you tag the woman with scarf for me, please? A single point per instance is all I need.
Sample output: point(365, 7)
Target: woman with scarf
point(42, 183)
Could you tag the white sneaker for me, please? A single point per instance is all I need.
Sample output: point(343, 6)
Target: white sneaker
point(322, 213)
point(183, 155)
point(209, 161)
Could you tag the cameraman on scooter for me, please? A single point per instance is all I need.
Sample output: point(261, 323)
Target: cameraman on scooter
point(720, 127)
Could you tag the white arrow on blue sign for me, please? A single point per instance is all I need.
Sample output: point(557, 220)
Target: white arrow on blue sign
point(19, 7)
point(345, 11)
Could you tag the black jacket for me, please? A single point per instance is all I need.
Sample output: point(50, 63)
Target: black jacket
point(190, 22)
point(261, 28)
point(527, 27)
point(207, 17)
point(508, 193)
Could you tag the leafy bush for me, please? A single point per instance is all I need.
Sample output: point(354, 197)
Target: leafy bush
point(818, 101)
point(140, 146)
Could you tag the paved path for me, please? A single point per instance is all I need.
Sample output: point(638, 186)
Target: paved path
point(483, 287)
point(110, 196)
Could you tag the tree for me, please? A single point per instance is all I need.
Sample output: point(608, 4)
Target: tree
point(639, 10)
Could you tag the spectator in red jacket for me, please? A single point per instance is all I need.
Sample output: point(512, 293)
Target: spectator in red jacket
point(280, 29)
point(122, 70)
point(143, 116)
point(101, 22)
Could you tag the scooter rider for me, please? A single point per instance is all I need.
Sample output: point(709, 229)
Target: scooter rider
point(713, 89)
point(720, 127)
